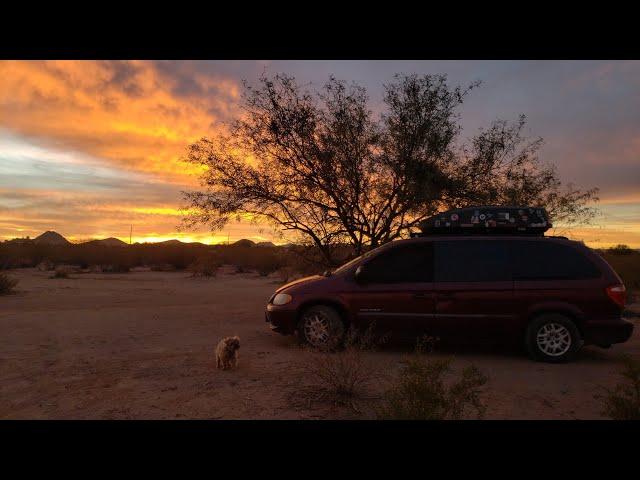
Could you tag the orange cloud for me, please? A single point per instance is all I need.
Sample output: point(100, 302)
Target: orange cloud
point(138, 117)
point(125, 112)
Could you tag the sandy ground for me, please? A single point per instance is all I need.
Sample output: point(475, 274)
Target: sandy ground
point(140, 346)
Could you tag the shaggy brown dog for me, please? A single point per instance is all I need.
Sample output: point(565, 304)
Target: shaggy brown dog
point(227, 352)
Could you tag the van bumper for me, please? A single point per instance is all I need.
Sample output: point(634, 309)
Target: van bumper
point(608, 332)
point(280, 319)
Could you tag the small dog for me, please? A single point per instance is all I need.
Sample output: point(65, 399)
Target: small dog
point(227, 352)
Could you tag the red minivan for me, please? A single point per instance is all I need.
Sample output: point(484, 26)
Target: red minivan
point(551, 294)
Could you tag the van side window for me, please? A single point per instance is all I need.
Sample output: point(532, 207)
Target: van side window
point(471, 261)
point(542, 260)
point(402, 264)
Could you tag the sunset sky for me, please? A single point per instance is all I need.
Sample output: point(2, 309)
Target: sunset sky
point(88, 148)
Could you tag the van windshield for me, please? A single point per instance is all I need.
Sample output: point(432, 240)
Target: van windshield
point(352, 262)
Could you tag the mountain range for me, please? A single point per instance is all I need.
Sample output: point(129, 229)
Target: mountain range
point(54, 238)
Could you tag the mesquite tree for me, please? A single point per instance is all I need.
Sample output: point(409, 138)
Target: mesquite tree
point(323, 166)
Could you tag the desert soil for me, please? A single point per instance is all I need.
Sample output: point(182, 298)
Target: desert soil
point(140, 346)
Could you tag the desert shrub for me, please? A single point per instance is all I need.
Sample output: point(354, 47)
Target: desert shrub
point(422, 392)
point(628, 267)
point(304, 261)
point(164, 267)
point(621, 249)
point(7, 284)
point(267, 264)
point(45, 266)
point(61, 272)
point(115, 268)
point(623, 401)
point(287, 274)
point(264, 260)
point(206, 266)
point(342, 375)
point(240, 269)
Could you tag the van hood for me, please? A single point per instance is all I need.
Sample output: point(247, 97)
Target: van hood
point(300, 281)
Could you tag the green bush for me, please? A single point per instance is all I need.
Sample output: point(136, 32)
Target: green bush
point(623, 401)
point(421, 392)
point(7, 284)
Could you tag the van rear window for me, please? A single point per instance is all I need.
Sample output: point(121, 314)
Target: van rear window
point(541, 260)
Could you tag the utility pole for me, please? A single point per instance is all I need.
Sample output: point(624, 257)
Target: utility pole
point(130, 233)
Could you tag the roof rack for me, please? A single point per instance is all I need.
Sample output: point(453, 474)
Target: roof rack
point(488, 220)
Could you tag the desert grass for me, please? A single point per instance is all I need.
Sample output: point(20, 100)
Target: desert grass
point(627, 266)
point(623, 401)
point(7, 284)
point(60, 273)
point(342, 377)
point(425, 391)
point(206, 266)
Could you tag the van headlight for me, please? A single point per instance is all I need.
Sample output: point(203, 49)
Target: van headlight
point(281, 299)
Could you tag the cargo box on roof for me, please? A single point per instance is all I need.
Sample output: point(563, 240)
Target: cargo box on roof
point(489, 219)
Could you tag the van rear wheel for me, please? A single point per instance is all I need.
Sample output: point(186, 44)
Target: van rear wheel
point(552, 338)
point(321, 327)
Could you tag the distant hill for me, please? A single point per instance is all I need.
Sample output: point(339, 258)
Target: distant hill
point(169, 242)
point(244, 243)
point(265, 244)
point(54, 238)
point(108, 242)
point(51, 238)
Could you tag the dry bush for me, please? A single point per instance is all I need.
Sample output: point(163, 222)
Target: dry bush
point(621, 249)
point(164, 267)
point(288, 274)
point(422, 392)
point(628, 267)
point(7, 284)
point(264, 260)
point(60, 272)
point(342, 376)
point(205, 266)
point(267, 264)
point(285, 273)
point(109, 268)
point(623, 401)
point(115, 268)
point(45, 266)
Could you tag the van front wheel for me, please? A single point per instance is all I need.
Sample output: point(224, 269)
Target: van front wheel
point(552, 338)
point(321, 327)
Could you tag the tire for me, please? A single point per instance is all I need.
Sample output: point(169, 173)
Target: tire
point(552, 338)
point(321, 327)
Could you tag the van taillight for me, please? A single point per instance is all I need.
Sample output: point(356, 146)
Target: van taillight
point(618, 294)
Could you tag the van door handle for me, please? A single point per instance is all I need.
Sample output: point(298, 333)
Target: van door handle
point(420, 295)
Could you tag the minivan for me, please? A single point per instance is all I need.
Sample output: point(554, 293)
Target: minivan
point(549, 294)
